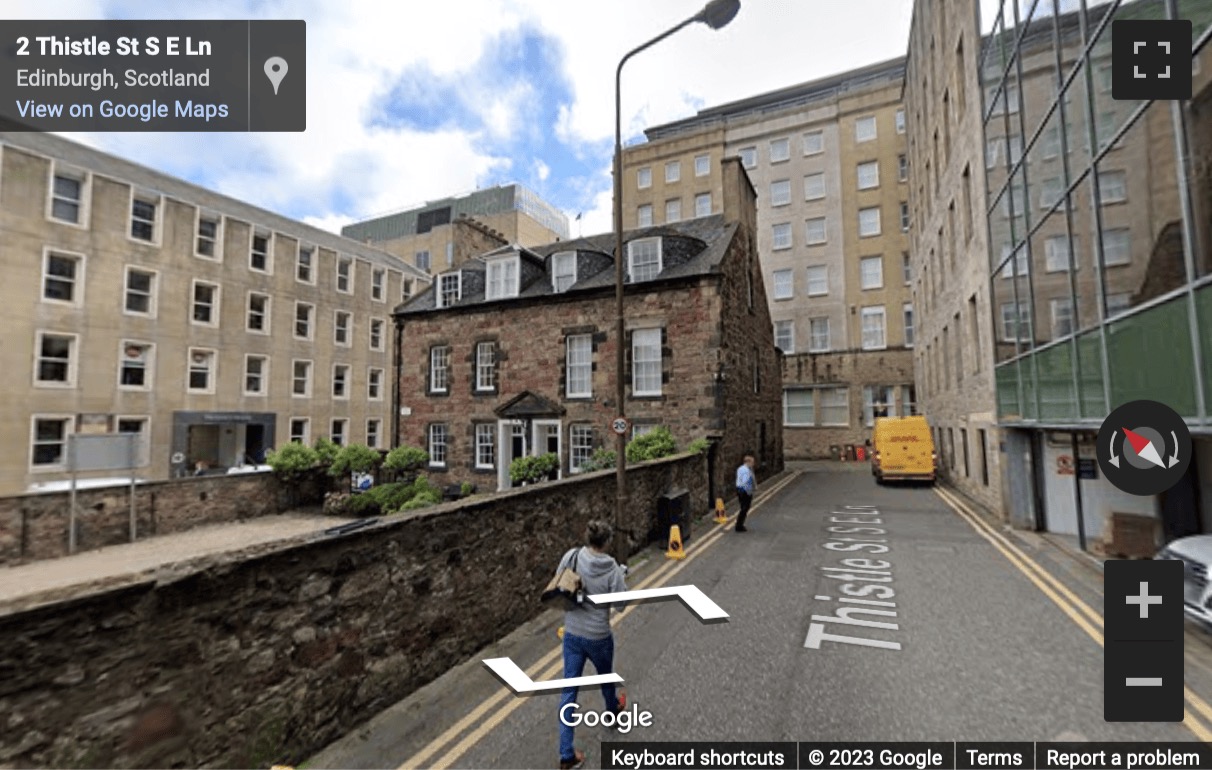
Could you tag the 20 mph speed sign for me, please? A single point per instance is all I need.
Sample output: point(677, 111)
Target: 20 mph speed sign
point(619, 425)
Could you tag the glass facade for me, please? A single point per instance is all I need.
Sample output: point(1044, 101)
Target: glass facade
point(1100, 233)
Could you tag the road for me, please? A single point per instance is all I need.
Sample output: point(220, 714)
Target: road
point(995, 637)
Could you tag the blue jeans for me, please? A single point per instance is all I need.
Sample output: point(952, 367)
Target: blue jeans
point(600, 652)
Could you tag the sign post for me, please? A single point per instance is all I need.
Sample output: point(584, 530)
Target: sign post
point(100, 452)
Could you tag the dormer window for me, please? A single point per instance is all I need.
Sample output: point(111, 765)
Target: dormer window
point(644, 259)
point(563, 271)
point(502, 278)
point(450, 288)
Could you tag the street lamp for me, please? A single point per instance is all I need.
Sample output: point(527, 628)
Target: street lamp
point(715, 14)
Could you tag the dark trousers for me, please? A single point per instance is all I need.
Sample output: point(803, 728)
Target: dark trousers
point(746, 500)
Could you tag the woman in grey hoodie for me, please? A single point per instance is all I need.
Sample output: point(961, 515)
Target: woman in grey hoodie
point(587, 628)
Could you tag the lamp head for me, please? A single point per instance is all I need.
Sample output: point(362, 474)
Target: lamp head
point(718, 13)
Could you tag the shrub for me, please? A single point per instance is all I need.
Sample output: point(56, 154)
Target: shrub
point(467, 488)
point(423, 500)
point(354, 458)
point(292, 459)
point(657, 442)
point(698, 446)
point(406, 458)
point(326, 450)
point(533, 468)
point(390, 497)
point(363, 505)
point(600, 460)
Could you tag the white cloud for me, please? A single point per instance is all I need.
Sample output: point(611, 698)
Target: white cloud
point(541, 170)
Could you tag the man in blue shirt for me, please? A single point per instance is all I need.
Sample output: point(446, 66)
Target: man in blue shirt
point(745, 485)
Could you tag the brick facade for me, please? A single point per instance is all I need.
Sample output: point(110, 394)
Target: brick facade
point(715, 347)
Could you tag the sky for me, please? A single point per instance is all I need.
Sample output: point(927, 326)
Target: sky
point(413, 101)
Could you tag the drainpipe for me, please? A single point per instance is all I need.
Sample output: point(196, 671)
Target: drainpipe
point(397, 367)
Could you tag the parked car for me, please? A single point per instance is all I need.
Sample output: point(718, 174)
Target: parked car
point(1195, 552)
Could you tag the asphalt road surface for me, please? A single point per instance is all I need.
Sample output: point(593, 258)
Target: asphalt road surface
point(988, 636)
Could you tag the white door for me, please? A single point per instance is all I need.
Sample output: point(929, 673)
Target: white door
point(547, 438)
point(511, 444)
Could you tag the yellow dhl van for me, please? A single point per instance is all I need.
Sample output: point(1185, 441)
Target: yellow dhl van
point(903, 450)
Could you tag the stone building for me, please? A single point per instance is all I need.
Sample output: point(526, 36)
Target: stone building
point(135, 302)
point(514, 353)
point(828, 158)
point(434, 236)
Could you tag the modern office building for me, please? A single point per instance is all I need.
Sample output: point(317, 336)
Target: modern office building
point(135, 302)
point(434, 238)
point(1098, 270)
point(829, 161)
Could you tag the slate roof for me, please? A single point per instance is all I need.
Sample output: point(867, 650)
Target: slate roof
point(702, 242)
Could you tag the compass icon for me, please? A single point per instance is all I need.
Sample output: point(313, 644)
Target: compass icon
point(1144, 447)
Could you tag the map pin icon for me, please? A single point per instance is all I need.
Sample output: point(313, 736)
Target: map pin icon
point(275, 70)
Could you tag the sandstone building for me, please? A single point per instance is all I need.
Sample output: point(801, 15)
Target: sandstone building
point(513, 353)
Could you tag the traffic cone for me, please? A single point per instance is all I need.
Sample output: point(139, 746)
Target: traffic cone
point(675, 543)
point(720, 517)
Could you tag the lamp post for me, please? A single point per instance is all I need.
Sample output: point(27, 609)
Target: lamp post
point(715, 14)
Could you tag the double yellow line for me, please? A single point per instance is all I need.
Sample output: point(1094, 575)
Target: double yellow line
point(551, 665)
point(1086, 618)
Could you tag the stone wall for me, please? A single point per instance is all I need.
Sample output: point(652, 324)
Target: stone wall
point(37, 526)
point(268, 657)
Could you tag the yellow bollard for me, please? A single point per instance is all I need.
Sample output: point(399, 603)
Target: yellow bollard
point(675, 543)
point(720, 517)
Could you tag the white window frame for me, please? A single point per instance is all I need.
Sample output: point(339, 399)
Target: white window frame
point(906, 268)
point(561, 261)
point(1056, 304)
point(378, 284)
point(780, 236)
point(423, 256)
point(340, 436)
point(814, 339)
point(201, 215)
point(886, 403)
point(810, 237)
point(500, 282)
point(374, 383)
point(69, 427)
point(859, 134)
point(1122, 177)
point(486, 445)
point(264, 375)
point(874, 311)
point(266, 314)
point(870, 169)
point(643, 215)
point(441, 291)
point(212, 371)
point(844, 405)
point(875, 281)
point(143, 445)
point(748, 156)
point(814, 147)
point(632, 247)
point(811, 192)
point(303, 438)
point(157, 223)
point(641, 380)
point(900, 121)
point(780, 192)
point(902, 168)
point(910, 324)
point(308, 377)
point(152, 294)
point(1019, 316)
point(878, 224)
point(439, 361)
point(673, 171)
point(486, 366)
point(788, 327)
point(702, 165)
point(580, 446)
point(337, 328)
point(780, 150)
point(905, 218)
point(215, 305)
point(381, 325)
point(701, 210)
point(73, 360)
point(673, 210)
point(434, 432)
point(643, 177)
point(1126, 240)
point(783, 284)
point(1057, 259)
point(349, 278)
point(572, 365)
point(311, 321)
point(374, 437)
point(268, 235)
point(149, 364)
point(83, 203)
point(824, 278)
point(78, 282)
point(346, 380)
point(312, 264)
point(787, 406)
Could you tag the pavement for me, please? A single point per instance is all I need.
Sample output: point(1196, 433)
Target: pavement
point(26, 585)
point(972, 648)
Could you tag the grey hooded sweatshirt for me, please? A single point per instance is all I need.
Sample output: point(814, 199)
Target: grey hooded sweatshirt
point(600, 574)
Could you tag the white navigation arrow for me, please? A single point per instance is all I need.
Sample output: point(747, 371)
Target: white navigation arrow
point(517, 680)
point(695, 600)
point(1114, 457)
point(1174, 457)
